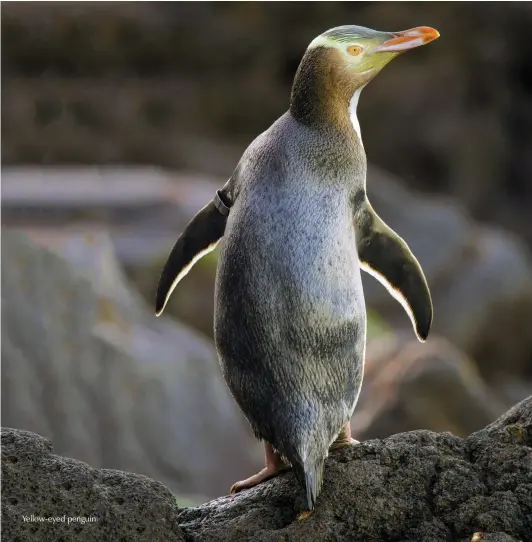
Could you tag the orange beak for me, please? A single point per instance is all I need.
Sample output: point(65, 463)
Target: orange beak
point(408, 39)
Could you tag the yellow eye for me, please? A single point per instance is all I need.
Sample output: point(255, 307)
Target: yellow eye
point(354, 50)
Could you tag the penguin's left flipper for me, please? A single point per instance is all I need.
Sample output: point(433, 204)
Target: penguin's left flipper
point(383, 254)
point(200, 237)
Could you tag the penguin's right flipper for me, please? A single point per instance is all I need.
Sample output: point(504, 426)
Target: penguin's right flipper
point(386, 256)
point(199, 238)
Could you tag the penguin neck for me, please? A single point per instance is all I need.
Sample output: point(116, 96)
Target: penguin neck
point(353, 111)
point(325, 96)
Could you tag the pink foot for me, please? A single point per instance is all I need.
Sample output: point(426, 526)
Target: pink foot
point(274, 466)
point(344, 438)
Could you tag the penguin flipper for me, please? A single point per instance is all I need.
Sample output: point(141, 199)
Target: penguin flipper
point(199, 238)
point(388, 258)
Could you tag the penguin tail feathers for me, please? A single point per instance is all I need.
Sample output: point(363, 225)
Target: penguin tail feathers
point(310, 475)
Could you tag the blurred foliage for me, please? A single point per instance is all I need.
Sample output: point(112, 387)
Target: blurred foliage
point(376, 325)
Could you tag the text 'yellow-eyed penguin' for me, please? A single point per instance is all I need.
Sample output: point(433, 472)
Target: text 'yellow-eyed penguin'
point(297, 227)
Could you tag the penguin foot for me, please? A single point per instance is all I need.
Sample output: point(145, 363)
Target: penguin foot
point(305, 514)
point(274, 466)
point(344, 439)
point(338, 444)
point(265, 474)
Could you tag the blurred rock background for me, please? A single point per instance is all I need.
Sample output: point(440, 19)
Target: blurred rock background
point(119, 120)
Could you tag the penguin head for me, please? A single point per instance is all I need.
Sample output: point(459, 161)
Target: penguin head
point(363, 52)
point(340, 62)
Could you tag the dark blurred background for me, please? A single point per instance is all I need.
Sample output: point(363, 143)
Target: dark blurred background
point(119, 120)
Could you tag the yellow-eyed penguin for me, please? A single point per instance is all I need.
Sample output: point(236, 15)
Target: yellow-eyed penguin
point(297, 227)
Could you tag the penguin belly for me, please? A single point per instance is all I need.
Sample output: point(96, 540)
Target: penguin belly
point(290, 320)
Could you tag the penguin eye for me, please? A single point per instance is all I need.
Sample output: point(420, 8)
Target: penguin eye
point(354, 50)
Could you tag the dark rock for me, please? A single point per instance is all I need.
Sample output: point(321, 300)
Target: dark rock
point(417, 486)
point(86, 504)
point(490, 537)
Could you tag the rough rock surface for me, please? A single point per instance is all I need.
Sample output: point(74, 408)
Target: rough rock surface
point(87, 365)
point(116, 506)
point(418, 486)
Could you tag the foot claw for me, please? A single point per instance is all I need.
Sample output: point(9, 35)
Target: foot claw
point(338, 444)
point(274, 466)
point(262, 476)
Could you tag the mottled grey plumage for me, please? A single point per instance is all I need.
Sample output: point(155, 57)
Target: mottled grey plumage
point(290, 319)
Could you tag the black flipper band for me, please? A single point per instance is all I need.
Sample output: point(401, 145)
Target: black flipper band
point(223, 209)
